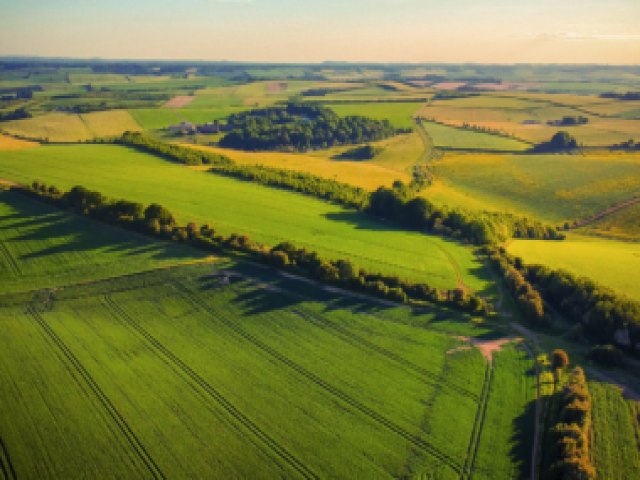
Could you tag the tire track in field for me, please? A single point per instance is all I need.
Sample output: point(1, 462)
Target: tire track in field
point(474, 442)
point(327, 387)
point(5, 463)
point(108, 405)
point(357, 340)
point(11, 262)
point(241, 418)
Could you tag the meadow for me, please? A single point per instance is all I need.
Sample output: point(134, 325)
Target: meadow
point(555, 188)
point(445, 136)
point(399, 114)
point(615, 264)
point(233, 206)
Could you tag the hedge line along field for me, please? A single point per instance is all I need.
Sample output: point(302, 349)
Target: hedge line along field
point(365, 174)
point(450, 137)
point(622, 224)
point(615, 447)
point(234, 206)
point(612, 263)
point(176, 374)
point(71, 127)
point(555, 188)
point(41, 246)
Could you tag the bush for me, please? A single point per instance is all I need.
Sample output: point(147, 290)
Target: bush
point(607, 355)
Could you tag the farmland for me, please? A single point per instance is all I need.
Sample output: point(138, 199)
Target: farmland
point(233, 206)
point(152, 364)
point(455, 138)
point(399, 114)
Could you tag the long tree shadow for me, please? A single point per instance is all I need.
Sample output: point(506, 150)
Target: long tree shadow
point(522, 439)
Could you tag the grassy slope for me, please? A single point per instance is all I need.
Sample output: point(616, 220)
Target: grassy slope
point(399, 114)
point(235, 206)
point(624, 223)
point(615, 264)
point(43, 247)
point(555, 188)
point(615, 452)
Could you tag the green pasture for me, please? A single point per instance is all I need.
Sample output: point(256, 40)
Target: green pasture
point(399, 114)
point(451, 137)
point(612, 263)
point(265, 214)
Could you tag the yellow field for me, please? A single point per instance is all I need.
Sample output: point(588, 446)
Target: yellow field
point(69, 127)
point(10, 143)
point(615, 264)
point(365, 174)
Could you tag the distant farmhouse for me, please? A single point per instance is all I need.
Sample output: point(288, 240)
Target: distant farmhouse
point(188, 128)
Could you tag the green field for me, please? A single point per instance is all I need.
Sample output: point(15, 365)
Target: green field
point(615, 264)
point(43, 247)
point(159, 118)
point(555, 188)
point(174, 373)
point(399, 114)
point(616, 447)
point(233, 206)
point(456, 138)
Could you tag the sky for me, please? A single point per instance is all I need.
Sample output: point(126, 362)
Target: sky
point(481, 31)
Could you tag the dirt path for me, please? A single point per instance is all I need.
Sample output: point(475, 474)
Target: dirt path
point(606, 213)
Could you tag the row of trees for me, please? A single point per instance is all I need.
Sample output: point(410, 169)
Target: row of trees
point(16, 114)
point(158, 221)
point(570, 457)
point(528, 298)
point(398, 204)
point(300, 127)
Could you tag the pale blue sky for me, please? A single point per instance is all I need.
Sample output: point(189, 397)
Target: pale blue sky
point(501, 31)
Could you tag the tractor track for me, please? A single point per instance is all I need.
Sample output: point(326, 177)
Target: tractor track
point(356, 340)
point(236, 414)
point(334, 391)
point(474, 441)
point(108, 405)
point(11, 262)
point(6, 466)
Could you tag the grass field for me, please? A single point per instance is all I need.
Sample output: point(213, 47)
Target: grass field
point(615, 264)
point(615, 447)
point(555, 188)
point(67, 127)
point(159, 118)
point(234, 206)
point(623, 224)
point(171, 373)
point(43, 247)
point(451, 137)
point(399, 114)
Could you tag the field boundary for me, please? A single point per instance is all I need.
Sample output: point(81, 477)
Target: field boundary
point(236, 414)
point(330, 389)
point(116, 416)
point(605, 213)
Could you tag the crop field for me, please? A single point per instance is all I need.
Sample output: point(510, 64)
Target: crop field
point(615, 444)
point(234, 206)
point(159, 118)
point(615, 264)
point(456, 138)
point(526, 116)
point(399, 114)
point(43, 247)
point(67, 127)
point(365, 174)
point(555, 188)
point(10, 143)
point(623, 224)
point(172, 373)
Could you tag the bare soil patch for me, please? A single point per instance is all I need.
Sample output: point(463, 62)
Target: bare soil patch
point(179, 101)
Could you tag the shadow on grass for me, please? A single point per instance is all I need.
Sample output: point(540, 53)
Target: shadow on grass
point(522, 439)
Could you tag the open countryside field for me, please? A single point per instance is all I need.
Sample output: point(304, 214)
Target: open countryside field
point(399, 114)
point(556, 188)
point(233, 206)
point(172, 373)
point(455, 138)
point(68, 127)
point(43, 247)
point(615, 264)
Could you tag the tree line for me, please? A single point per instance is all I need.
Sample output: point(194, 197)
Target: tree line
point(17, 114)
point(399, 204)
point(156, 220)
point(300, 127)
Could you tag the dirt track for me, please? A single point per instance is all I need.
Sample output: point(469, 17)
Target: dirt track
point(607, 212)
